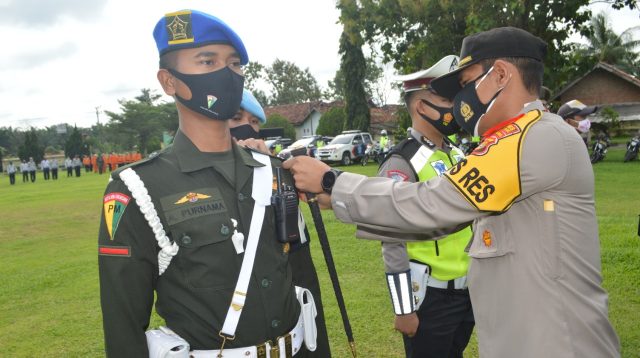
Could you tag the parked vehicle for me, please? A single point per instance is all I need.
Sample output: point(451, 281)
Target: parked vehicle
point(600, 148)
point(308, 142)
point(632, 149)
point(345, 148)
point(272, 142)
point(373, 152)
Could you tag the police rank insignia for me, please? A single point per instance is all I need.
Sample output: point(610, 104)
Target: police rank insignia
point(179, 27)
point(114, 206)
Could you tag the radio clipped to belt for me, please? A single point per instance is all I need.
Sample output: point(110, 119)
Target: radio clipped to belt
point(285, 203)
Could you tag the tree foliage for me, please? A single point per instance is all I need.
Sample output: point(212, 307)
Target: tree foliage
point(290, 84)
point(31, 148)
point(373, 87)
point(142, 121)
point(415, 34)
point(604, 45)
point(278, 121)
point(75, 145)
point(332, 122)
point(353, 67)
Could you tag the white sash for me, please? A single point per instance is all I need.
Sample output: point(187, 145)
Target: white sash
point(261, 194)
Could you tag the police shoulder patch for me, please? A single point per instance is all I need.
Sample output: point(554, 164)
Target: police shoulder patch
point(114, 206)
point(489, 178)
point(397, 175)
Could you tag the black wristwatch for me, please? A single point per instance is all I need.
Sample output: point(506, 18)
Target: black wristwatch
point(329, 179)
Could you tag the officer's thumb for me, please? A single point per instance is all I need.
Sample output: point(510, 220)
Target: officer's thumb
point(287, 164)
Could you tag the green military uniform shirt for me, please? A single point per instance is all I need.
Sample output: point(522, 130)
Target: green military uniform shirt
point(195, 203)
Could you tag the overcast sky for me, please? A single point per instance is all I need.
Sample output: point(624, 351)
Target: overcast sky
point(62, 59)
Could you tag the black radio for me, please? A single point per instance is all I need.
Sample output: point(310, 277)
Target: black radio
point(285, 203)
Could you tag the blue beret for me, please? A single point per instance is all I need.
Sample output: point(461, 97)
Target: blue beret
point(192, 28)
point(250, 104)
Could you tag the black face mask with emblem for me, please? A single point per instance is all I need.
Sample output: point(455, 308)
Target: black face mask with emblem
point(468, 110)
point(445, 123)
point(243, 132)
point(216, 95)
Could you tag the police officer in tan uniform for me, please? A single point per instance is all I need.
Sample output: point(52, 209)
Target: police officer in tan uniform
point(535, 274)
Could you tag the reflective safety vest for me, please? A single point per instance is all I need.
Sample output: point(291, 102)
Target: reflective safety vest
point(446, 257)
point(383, 141)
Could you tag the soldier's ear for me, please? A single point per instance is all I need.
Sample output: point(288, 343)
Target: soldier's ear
point(167, 81)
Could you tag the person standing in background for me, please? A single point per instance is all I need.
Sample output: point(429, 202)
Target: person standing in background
point(54, 168)
point(11, 170)
point(32, 169)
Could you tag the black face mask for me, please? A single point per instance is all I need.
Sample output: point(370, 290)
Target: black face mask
point(445, 123)
point(468, 110)
point(243, 132)
point(216, 95)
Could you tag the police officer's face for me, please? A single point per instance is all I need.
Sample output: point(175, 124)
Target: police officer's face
point(432, 97)
point(244, 117)
point(487, 88)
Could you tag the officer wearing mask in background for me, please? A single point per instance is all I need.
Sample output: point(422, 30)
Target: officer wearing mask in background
point(575, 114)
point(528, 188)
point(194, 223)
point(245, 128)
point(429, 276)
point(385, 142)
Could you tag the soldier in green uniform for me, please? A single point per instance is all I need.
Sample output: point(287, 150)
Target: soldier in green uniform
point(427, 279)
point(245, 127)
point(194, 223)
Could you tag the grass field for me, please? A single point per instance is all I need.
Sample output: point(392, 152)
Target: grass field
point(49, 304)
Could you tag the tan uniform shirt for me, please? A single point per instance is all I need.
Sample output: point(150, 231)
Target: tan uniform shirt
point(536, 288)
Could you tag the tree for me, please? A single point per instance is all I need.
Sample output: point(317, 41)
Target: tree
point(353, 67)
point(415, 34)
point(372, 86)
point(290, 84)
point(75, 145)
point(141, 120)
point(278, 121)
point(604, 45)
point(332, 122)
point(31, 148)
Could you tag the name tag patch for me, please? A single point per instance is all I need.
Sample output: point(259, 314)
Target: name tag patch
point(199, 202)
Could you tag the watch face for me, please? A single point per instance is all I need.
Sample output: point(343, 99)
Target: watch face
point(328, 179)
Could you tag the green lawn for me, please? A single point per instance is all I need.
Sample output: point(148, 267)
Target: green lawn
point(49, 305)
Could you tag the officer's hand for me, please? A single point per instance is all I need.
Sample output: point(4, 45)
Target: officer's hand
point(257, 144)
point(307, 173)
point(407, 324)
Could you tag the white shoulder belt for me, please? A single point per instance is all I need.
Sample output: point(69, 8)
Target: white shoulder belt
point(135, 185)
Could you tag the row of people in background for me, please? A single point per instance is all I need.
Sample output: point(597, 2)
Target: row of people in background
point(49, 167)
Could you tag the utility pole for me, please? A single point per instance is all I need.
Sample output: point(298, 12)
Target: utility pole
point(98, 114)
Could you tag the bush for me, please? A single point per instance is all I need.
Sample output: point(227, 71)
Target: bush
point(332, 122)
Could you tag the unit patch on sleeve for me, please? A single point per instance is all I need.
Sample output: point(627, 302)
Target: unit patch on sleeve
point(489, 178)
point(397, 175)
point(114, 206)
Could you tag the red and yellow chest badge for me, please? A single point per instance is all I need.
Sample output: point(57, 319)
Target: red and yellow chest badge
point(114, 206)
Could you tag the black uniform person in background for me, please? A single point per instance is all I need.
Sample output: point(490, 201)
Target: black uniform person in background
point(204, 200)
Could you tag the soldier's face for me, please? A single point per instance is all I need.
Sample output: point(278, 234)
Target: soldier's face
point(244, 117)
point(208, 58)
